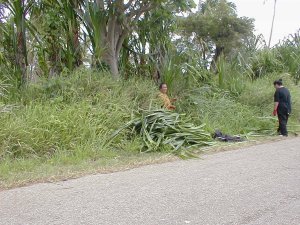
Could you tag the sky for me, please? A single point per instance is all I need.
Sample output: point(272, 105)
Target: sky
point(287, 20)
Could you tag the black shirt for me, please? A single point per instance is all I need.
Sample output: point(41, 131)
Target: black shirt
point(282, 95)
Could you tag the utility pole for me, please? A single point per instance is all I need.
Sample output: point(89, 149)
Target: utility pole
point(272, 26)
point(199, 5)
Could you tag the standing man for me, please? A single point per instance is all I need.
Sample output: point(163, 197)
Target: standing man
point(282, 106)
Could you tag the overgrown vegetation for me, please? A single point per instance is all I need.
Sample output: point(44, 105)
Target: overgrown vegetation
point(68, 121)
point(76, 115)
point(60, 101)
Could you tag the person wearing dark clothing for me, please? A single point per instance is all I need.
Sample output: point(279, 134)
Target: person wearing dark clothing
point(282, 106)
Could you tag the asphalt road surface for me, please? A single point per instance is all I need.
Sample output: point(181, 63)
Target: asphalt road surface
point(254, 185)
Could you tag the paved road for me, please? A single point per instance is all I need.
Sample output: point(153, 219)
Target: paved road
point(254, 185)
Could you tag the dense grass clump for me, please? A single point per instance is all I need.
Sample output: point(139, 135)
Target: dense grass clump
point(219, 111)
point(70, 115)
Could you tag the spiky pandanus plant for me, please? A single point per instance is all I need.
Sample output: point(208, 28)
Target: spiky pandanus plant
point(19, 9)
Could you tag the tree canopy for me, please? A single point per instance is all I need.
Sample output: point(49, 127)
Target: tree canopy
point(43, 38)
point(216, 23)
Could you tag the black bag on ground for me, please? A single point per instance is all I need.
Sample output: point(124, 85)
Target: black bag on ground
point(226, 138)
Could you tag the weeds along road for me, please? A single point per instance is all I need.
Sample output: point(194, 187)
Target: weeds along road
point(254, 185)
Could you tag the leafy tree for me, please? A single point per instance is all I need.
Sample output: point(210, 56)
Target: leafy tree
point(72, 31)
point(109, 23)
point(217, 25)
point(149, 50)
point(57, 26)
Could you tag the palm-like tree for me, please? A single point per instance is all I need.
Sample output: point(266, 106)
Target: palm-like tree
point(19, 9)
point(72, 30)
point(58, 29)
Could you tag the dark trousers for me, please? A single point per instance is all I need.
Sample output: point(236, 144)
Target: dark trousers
point(283, 117)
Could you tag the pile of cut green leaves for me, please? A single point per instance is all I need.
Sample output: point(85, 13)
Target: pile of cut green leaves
point(159, 129)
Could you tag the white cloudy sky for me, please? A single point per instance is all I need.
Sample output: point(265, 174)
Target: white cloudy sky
point(287, 18)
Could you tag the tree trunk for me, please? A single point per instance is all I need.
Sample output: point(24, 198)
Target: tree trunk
point(76, 44)
point(218, 51)
point(54, 56)
point(113, 64)
point(76, 32)
point(21, 60)
point(111, 59)
point(114, 39)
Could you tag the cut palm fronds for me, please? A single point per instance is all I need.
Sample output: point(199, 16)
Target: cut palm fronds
point(161, 128)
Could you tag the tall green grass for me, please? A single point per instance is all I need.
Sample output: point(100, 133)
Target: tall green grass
point(239, 105)
point(70, 115)
point(283, 58)
point(69, 120)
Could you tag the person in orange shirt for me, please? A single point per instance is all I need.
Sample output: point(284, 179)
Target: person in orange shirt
point(167, 102)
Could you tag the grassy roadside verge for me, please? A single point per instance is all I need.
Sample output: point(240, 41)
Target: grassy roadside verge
point(23, 173)
point(58, 129)
point(26, 172)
